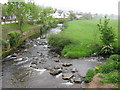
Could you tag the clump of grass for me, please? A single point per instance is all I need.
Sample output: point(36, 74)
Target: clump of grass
point(89, 75)
point(112, 77)
point(109, 71)
point(75, 51)
point(58, 41)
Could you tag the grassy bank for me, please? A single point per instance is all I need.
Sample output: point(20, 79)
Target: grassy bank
point(86, 36)
point(6, 28)
point(109, 71)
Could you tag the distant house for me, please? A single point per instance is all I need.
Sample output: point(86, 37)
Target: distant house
point(64, 14)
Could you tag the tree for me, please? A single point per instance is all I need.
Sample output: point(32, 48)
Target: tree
point(20, 10)
point(107, 35)
point(34, 11)
point(72, 15)
point(45, 16)
point(87, 16)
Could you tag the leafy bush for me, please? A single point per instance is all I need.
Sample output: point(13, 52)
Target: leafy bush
point(14, 38)
point(58, 41)
point(107, 36)
point(53, 25)
point(2, 42)
point(112, 77)
point(115, 57)
point(110, 65)
point(89, 75)
point(65, 25)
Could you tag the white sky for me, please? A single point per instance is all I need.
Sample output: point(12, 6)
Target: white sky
point(93, 6)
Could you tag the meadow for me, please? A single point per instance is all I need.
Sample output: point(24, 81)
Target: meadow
point(86, 35)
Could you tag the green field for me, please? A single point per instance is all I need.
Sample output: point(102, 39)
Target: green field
point(87, 37)
point(6, 28)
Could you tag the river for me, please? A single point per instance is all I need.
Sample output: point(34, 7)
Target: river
point(33, 66)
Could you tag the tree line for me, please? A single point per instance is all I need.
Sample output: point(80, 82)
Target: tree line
point(27, 13)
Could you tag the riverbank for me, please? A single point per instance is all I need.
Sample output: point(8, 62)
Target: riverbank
point(34, 63)
point(84, 38)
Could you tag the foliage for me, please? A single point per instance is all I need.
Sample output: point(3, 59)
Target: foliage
point(65, 25)
point(111, 64)
point(87, 16)
point(82, 32)
point(2, 42)
point(4, 10)
point(107, 35)
point(75, 51)
point(72, 15)
point(14, 38)
point(112, 77)
point(34, 11)
point(109, 70)
point(20, 10)
point(59, 41)
point(89, 75)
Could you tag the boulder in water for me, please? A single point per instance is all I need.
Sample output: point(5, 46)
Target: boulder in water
point(67, 76)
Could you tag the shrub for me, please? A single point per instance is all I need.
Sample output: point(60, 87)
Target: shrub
point(107, 36)
point(65, 25)
point(110, 65)
point(58, 41)
point(115, 57)
point(89, 75)
point(112, 77)
point(14, 38)
point(2, 42)
point(53, 25)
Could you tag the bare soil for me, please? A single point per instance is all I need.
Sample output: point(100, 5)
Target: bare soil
point(95, 83)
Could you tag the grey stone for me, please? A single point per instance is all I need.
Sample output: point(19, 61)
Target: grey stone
point(34, 62)
point(33, 66)
point(14, 55)
point(43, 60)
point(56, 60)
point(77, 80)
point(55, 72)
point(74, 70)
point(25, 50)
point(67, 64)
point(67, 76)
point(41, 54)
point(58, 67)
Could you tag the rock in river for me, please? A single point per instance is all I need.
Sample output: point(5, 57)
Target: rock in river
point(67, 64)
point(55, 72)
point(77, 80)
point(33, 66)
point(25, 50)
point(14, 55)
point(56, 60)
point(73, 70)
point(34, 62)
point(67, 76)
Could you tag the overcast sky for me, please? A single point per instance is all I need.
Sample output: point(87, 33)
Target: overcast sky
point(93, 6)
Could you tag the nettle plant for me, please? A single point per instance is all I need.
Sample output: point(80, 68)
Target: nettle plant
point(107, 36)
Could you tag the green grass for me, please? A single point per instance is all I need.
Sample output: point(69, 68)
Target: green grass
point(109, 71)
point(6, 28)
point(86, 35)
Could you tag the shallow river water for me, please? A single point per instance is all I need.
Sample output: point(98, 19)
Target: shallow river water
point(31, 64)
